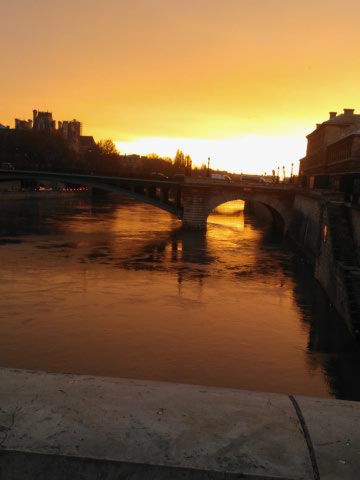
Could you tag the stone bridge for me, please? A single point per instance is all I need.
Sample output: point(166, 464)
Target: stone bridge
point(191, 200)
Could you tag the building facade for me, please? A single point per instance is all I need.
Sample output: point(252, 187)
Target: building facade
point(333, 153)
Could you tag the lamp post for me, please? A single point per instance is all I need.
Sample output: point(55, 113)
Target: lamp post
point(208, 167)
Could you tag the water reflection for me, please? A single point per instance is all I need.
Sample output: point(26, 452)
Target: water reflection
point(122, 290)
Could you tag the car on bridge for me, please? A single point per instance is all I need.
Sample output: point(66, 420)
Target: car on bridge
point(223, 178)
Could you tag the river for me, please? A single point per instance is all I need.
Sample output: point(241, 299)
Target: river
point(116, 288)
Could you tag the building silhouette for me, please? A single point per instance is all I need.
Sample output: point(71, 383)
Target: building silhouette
point(23, 124)
point(43, 121)
point(69, 130)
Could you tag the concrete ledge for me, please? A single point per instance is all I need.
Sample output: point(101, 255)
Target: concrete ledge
point(68, 426)
point(334, 427)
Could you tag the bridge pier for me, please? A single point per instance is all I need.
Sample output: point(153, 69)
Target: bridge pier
point(195, 208)
point(164, 195)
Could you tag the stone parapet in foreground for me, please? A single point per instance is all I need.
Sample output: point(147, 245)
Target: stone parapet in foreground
point(55, 426)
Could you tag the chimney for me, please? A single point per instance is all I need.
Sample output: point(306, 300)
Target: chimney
point(332, 115)
point(348, 112)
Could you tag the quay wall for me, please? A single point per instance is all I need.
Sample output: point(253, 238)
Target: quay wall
point(329, 272)
point(306, 224)
point(355, 218)
point(327, 231)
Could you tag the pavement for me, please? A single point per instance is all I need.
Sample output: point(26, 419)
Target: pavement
point(59, 426)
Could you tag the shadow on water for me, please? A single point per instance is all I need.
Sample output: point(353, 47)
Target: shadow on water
point(35, 216)
point(184, 252)
point(330, 342)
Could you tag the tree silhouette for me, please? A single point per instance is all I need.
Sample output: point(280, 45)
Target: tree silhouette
point(179, 160)
point(107, 147)
point(182, 163)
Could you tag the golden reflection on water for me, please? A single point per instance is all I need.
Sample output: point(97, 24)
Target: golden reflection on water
point(119, 289)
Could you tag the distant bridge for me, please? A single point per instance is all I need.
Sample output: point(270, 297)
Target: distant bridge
point(191, 200)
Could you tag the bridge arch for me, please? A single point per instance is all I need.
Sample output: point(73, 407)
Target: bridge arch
point(275, 208)
point(199, 205)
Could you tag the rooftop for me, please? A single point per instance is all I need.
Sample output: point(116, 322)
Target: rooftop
point(342, 120)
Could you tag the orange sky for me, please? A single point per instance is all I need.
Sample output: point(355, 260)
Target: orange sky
point(241, 81)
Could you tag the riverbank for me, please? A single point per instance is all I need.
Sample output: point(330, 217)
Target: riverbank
point(71, 426)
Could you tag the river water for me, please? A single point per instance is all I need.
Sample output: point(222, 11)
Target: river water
point(117, 288)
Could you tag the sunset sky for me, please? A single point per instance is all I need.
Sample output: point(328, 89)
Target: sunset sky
point(241, 81)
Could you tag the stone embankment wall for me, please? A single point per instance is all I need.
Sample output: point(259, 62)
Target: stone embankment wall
point(355, 220)
point(328, 232)
point(306, 224)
